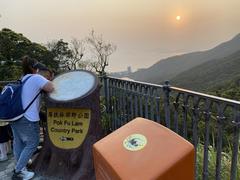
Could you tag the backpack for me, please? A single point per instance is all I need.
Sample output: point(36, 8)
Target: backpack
point(11, 108)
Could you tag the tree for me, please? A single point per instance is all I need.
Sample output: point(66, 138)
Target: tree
point(42, 54)
point(10, 52)
point(57, 55)
point(77, 48)
point(101, 50)
point(61, 53)
point(69, 56)
point(12, 47)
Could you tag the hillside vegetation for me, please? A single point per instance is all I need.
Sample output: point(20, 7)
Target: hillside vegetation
point(171, 67)
point(230, 90)
point(215, 73)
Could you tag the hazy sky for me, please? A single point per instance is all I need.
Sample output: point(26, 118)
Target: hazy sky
point(144, 31)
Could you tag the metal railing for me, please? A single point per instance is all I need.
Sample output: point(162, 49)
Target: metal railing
point(205, 120)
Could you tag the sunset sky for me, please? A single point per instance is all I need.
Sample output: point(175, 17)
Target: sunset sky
point(144, 31)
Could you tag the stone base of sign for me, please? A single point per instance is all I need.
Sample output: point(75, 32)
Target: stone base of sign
point(71, 163)
point(75, 164)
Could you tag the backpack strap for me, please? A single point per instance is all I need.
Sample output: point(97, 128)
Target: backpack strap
point(32, 102)
point(23, 82)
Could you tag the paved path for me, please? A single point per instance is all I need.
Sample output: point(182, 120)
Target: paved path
point(6, 170)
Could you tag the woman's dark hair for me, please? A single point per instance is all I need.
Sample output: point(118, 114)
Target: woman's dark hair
point(28, 64)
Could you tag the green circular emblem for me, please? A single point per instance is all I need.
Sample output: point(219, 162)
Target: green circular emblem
point(135, 142)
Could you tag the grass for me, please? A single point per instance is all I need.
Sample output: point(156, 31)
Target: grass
point(212, 156)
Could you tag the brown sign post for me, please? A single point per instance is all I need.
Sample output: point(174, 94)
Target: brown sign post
point(73, 126)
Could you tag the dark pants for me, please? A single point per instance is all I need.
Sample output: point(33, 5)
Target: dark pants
point(5, 133)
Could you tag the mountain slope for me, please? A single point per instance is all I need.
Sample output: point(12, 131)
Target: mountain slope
point(210, 74)
point(229, 90)
point(169, 68)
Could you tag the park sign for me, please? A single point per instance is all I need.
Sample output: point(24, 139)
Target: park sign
point(73, 126)
point(67, 128)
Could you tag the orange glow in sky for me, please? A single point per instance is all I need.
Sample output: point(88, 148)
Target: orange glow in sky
point(144, 31)
point(178, 18)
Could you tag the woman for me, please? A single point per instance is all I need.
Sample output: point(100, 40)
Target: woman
point(26, 129)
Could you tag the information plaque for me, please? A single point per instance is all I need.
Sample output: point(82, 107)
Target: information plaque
point(67, 128)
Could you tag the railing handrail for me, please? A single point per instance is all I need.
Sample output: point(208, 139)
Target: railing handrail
point(203, 95)
point(6, 82)
point(212, 97)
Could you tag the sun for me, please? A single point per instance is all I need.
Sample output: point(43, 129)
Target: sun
point(178, 18)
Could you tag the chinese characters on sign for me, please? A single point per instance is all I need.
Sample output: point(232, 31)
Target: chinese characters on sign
point(67, 128)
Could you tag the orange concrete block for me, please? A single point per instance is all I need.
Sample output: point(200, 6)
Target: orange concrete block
point(143, 150)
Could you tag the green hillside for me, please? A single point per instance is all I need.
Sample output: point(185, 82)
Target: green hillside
point(210, 74)
point(171, 67)
point(230, 90)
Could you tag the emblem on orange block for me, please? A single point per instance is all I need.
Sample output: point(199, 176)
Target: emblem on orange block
point(135, 142)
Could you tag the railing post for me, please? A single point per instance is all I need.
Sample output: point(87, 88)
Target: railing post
point(195, 120)
point(106, 93)
point(220, 120)
point(167, 90)
point(112, 102)
point(234, 164)
point(207, 116)
point(146, 98)
point(136, 100)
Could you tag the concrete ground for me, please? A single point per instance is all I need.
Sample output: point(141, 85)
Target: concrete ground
point(6, 167)
point(6, 170)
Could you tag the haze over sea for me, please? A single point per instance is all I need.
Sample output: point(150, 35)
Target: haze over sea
point(144, 31)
